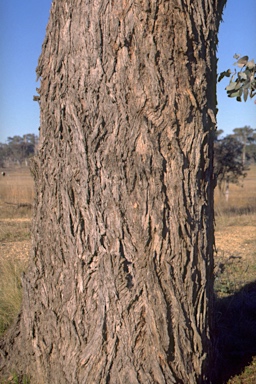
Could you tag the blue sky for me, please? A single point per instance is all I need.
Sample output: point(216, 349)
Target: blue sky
point(22, 30)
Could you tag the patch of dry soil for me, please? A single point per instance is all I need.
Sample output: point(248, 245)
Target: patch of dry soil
point(15, 247)
point(237, 241)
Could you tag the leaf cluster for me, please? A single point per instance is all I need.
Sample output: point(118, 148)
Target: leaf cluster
point(242, 82)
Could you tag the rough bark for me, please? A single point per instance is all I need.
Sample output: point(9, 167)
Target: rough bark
point(120, 284)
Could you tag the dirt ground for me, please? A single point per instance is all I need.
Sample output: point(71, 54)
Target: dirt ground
point(235, 259)
point(237, 241)
point(15, 242)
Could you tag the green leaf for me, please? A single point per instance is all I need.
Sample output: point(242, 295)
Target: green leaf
point(250, 64)
point(248, 74)
point(242, 84)
point(246, 92)
point(224, 74)
point(242, 61)
point(242, 76)
point(234, 93)
point(233, 78)
point(232, 85)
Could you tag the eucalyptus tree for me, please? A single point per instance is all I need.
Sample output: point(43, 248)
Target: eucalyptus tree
point(228, 162)
point(245, 136)
point(120, 283)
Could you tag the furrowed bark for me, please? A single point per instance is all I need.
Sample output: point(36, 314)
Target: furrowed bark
point(120, 286)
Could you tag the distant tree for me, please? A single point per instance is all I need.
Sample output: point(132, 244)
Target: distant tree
point(19, 148)
point(31, 138)
point(218, 133)
point(228, 163)
point(3, 153)
point(251, 152)
point(243, 84)
point(246, 136)
point(15, 148)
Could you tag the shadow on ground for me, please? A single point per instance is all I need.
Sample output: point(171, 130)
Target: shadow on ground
point(235, 333)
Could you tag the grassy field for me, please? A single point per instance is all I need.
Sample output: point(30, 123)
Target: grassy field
point(236, 236)
point(16, 200)
point(235, 282)
point(235, 268)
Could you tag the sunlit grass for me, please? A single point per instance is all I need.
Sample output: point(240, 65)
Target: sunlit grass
point(16, 194)
point(10, 291)
point(16, 200)
point(241, 205)
point(235, 281)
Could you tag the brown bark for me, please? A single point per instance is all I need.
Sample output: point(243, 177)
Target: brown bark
point(120, 285)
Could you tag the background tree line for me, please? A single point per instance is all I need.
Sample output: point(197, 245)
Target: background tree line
point(233, 154)
point(18, 149)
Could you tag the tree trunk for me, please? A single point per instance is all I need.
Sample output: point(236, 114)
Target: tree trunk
point(120, 284)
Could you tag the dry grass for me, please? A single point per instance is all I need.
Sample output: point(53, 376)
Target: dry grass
point(236, 236)
point(235, 283)
point(241, 203)
point(16, 193)
point(235, 269)
point(16, 199)
point(10, 291)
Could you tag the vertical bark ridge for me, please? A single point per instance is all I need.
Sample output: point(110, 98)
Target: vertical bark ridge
point(122, 251)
